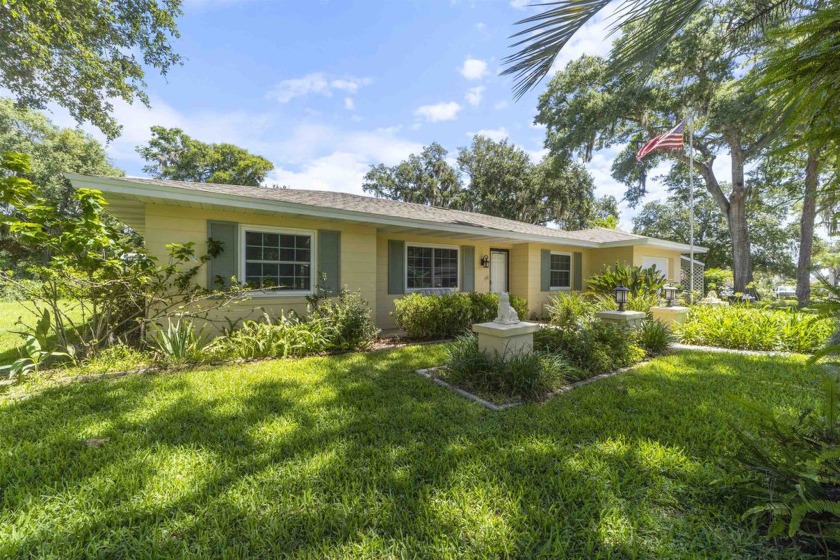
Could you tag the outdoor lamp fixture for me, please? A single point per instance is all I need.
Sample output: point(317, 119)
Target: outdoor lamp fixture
point(621, 296)
point(485, 261)
point(670, 295)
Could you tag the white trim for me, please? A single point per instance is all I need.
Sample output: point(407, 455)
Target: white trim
point(571, 272)
point(313, 259)
point(433, 246)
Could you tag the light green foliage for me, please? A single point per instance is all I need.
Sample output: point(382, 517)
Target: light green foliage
point(180, 341)
point(574, 309)
point(345, 321)
point(637, 279)
point(448, 315)
point(654, 336)
point(525, 375)
point(594, 349)
point(752, 328)
point(605, 213)
point(283, 338)
point(174, 155)
point(37, 349)
point(717, 278)
point(356, 456)
point(84, 54)
point(96, 284)
point(498, 179)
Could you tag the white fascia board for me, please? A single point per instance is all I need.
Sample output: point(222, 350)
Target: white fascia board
point(653, 242)
point(170, 194)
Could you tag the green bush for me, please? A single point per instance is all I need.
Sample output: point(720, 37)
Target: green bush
point(572, 309)
point(637, 279)
point(596, 348)
point(448, 315)
point(790, 466)
point(345, 322)
point(180, 341)
point(287, 337)
point(654, 336)
point(527, 375)
point(750, 328)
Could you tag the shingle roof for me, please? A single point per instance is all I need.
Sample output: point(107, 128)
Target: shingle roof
point(392, 208)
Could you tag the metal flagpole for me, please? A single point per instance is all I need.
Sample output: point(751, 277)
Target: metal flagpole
point(691, 206)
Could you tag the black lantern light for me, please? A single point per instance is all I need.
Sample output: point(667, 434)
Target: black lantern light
point(485, 261)
point(621, 296)
point(670, 295)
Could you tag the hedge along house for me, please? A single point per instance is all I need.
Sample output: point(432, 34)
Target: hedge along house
point(284, 243)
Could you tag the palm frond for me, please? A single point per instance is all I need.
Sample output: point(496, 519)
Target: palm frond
point(655, 23)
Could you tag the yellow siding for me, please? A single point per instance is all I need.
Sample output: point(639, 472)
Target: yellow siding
point(639, 252)
point(385, 301)
point(176, 224)
point(364, 258)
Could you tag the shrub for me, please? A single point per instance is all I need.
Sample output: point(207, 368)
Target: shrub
point(572, 309)
point(654, 336)
point(792, 467)
point(345, 322)
point(118, 357)
point(528, 375)
point(448, 315)
point(637, 279)
point(287, 337)
point(750, 328)
point(595, 349)
point(180, 342)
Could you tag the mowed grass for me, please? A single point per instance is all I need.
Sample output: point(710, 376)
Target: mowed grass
point(355, 456)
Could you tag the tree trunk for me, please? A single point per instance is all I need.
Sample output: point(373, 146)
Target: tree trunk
point(806, 228)
point(737, 220)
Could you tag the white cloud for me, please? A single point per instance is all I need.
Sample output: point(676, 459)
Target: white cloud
point(592, 39)
point(473, 69)
point(314, 83)
point(473, 95)
point(481, 27)
point(349, 104)
point(497, 134)
point(522, 4)
point(499, 105)
point(447, 111)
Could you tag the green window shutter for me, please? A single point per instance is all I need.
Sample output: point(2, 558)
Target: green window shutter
point(396, 266)
point(545, 270)
point(329, 261)
point(223, 267)
point(467, 268)
point(577, 271)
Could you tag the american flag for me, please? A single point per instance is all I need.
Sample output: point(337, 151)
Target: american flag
point(672, 139)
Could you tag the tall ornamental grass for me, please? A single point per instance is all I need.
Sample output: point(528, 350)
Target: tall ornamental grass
point(750, 328)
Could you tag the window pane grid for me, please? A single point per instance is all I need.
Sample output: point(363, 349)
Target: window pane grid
point(431, 267)
point(278, 261)
point(560, 271)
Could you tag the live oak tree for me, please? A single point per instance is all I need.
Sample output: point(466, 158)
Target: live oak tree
point(492, 177)
point(605, 212)
point(585, 108)
point(172, 154)
point(84, 54)
point(425, 178)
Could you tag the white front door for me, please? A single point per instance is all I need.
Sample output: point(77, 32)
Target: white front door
point(498, 271)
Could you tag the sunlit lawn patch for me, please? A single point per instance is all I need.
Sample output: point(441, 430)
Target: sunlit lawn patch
point(357, 456)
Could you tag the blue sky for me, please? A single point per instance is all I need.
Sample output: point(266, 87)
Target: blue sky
point(325, 88)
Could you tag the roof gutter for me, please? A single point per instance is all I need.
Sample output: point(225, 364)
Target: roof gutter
point(153, 192)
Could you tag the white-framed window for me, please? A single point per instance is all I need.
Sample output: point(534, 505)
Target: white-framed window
point(560, 271)
point(431, 266)
point(277, 261)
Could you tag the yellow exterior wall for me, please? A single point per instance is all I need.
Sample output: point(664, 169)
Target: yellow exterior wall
point(177, 224)
point(364, 258)
point(641, 251)
point(385, 301)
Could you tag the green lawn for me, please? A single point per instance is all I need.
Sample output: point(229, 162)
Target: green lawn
point(356, 456)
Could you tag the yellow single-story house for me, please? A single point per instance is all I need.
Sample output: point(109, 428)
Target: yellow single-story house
point(287, 242)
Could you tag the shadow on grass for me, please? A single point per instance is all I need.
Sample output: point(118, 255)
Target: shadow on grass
point(356, 455)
